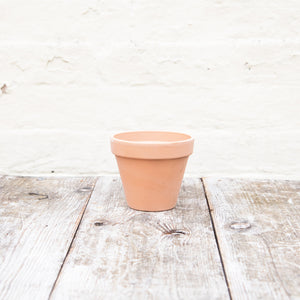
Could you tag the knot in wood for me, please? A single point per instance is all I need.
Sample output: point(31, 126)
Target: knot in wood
point(171, 230)
point(175, 232)
point(240, 225)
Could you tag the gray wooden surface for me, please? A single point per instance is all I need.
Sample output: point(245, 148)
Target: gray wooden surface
point(64, 238)
point(38, 217)
point(142, 255)
point(257, 224)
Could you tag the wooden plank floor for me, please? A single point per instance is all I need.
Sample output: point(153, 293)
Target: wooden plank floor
point(39, 217)
point(141, 255)
point(75, 238)
point(257, 224)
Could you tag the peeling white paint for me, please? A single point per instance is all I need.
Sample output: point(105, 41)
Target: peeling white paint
point(226, 72)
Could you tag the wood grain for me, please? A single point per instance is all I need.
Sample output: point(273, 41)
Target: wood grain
point(119, 253)
point(39, 217)
point(257, 223)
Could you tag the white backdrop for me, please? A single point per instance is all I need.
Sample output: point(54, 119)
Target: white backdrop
point(226, 72)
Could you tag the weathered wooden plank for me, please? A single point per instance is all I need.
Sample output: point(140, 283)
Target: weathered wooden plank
point(257, 223)
point(39, 217)
point(119, 253)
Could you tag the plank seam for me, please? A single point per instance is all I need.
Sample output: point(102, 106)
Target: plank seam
point(72, 241)
point(216, 237)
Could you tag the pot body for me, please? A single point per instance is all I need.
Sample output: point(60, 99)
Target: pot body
point(151, 185)
point(151, 166)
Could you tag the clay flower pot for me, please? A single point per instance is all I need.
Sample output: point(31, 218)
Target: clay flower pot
point(151, 165)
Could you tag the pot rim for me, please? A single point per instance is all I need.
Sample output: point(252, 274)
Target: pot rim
point(157, 149)
point(152, 142)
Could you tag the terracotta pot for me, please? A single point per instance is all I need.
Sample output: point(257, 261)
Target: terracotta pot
point(151, 165)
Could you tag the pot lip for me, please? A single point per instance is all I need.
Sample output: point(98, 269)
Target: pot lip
point(119, 140)
point(155, 149)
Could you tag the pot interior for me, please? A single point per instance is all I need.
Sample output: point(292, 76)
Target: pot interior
point(152, 136)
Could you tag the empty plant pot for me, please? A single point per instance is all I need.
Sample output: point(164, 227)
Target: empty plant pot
point(151, 165)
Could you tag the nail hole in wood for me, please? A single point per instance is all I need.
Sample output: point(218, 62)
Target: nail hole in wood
point(85, 189)
point(40, 196)
point(240, 226)
point(99, 223)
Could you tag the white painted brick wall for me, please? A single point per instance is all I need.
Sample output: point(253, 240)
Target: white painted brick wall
point(227, 72)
